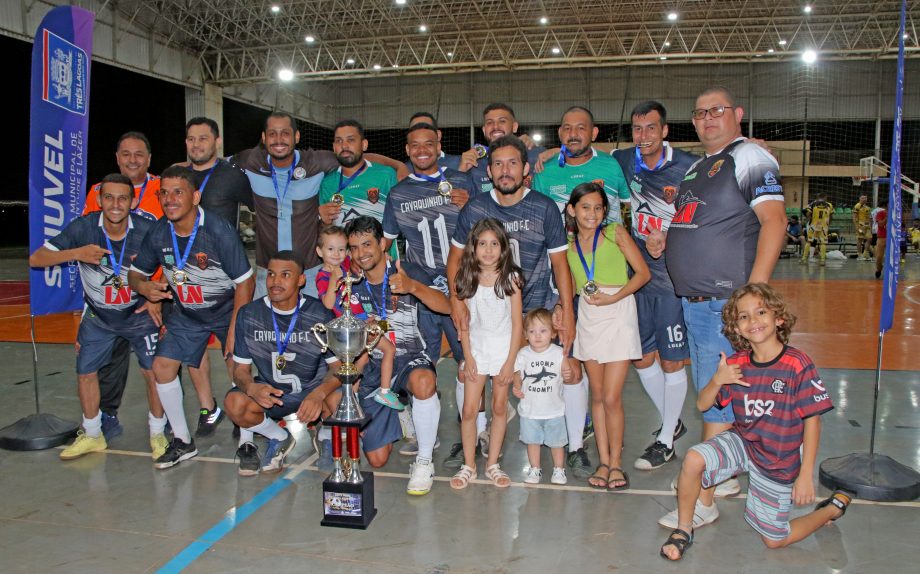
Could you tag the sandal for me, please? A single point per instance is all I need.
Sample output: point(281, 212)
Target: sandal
point(617, 483)
point(463, 477)
point(600, 477)
point(679, 539)
point(498, 476)
point(841, 499)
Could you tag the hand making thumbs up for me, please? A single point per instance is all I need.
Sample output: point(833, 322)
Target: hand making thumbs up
point(400, 283)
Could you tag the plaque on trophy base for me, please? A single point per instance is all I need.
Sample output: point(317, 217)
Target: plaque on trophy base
point(348, 505)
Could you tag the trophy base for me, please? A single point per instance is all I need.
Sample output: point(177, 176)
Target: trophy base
point(347, 505)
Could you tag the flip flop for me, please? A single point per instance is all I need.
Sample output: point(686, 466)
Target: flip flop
point(611, 481)
point(602, 477)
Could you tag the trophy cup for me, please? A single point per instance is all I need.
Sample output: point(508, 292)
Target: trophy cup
point(348, 493)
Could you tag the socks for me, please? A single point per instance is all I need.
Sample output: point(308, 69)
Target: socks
point(675, 390)
point(171, 398)
point(576, 409)
point(653, 381)
point(269, 429)
point(246, 436)
point(480, 422)
point(459, 394)
point(157, 425)
point(93, 427)
point(426, 413)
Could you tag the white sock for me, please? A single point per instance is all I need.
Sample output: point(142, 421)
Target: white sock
point(675, 390)
point(269, 429)
point(426, 413)
point(652, 378)
point(246, 436)
point(93, 427)
point(325, 433)
point(171, 399)
point(459, 395)
point(157, 425)
point(576, 409)
point(480, 422)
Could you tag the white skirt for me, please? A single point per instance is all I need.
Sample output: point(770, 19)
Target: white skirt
point(608, 333)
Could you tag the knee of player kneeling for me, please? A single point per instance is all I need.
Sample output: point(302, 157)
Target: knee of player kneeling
point(774, 544)
point(693, 462)
point(377, 458)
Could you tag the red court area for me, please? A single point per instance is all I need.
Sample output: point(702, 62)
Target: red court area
point(837, 322)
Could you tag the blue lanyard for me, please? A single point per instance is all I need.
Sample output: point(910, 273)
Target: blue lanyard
point(282, 342)
point(140, 197)
point(116, 265)
point(640, 165)
point(440, 177)
point(180, 261)
point(589, 272)
point(564, 153)
point(345, 183)
point(281, 195)
point(383, 293)
point(204, 183)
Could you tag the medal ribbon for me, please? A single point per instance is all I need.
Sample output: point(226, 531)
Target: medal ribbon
point(282, 342)
point(382, 313)
point(589, 272)
point(140, 196)
point(116, 265)
point(564, 153)
point(433, 179)
point(204, 183)
point(282, 194)
point(343, 183)
point(180, 262)
point(640, 165)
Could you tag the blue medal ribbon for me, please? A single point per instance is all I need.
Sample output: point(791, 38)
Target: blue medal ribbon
point(589, 272)
point(564, 153)
point(640, 164)
point(280, 195)
point(343, 183)
point(116, 265)
point(140, 196)
point(282, 342)
point(204, 183)
point(433, 179)
point(180, 261)
point(382, 313)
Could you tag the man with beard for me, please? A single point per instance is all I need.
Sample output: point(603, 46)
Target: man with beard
point(497, 121)
point(444, 160)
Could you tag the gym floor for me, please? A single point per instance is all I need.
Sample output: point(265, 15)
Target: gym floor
point(114, 512)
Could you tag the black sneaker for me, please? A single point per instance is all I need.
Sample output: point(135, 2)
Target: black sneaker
point(111, 427)
point(588, 432)
point(455, 458)
point(679, 431)
point(176, 453)
point(655, 456)
point(249, 459)
point(208, 421)
point(580, 463)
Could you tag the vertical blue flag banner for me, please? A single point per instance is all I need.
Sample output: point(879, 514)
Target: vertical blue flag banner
point(57, 147)
point(893, 244)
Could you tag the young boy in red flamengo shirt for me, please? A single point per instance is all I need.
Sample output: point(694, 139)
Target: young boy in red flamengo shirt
point(776, 394)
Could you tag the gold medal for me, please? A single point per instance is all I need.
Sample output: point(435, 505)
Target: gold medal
point(590, 288)
point(117, 282)
point(280, 362)
point(481, 151)
point(179, 277)
point(384, 326)
point(444, 188)
point(338, 198)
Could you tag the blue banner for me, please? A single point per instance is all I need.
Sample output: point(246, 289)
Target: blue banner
point(57, 147)
point(893, 244)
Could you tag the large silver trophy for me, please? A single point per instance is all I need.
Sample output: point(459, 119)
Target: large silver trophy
point(348, 493)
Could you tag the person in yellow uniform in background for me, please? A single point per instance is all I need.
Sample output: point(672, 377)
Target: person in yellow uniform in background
point(862, 223)
point(819, 215)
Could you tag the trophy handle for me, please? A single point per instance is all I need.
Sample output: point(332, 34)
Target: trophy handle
point(375, 332)
point(317, 329)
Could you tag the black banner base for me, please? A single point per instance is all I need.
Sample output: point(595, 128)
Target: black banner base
point(37, 432)
point(871, 476)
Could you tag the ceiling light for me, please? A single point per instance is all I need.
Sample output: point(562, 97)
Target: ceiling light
point(556, 50)
point(350, 61)
point(423, 28)
point(666, 44)
point(809, 56)
point(275, 8)
point(450, 54)
point(662, 57)
point(400, 2)
point(537, 137)
point(906, 35)
point(395, 65)
point(770, 51)
point(672, 16)
point(309, 39)
point(782, 42)
point(807, 9)
point(285, 75)
point(376, 66)
point(544, 20)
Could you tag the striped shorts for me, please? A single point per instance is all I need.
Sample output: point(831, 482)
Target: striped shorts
point(768, 501)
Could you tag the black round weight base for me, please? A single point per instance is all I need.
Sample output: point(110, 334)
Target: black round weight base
point(872, 477)
point(37, 432)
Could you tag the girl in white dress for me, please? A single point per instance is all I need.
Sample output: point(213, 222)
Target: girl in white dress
point(490, 283)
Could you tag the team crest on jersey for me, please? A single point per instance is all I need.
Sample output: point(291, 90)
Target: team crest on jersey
point(300, 172)
point(373, 194)
point(670, 194)
point(599, 182)
point(104, 262)
point(169, 259)
point(202, 260)
point(778, 386)
point(715, 168)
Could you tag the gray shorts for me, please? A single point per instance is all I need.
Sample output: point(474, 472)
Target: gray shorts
point(768, 501)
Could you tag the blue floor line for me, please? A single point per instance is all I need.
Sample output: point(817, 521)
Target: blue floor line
point(234, 517)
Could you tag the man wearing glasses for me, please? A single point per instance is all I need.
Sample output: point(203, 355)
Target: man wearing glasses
point(728, 230)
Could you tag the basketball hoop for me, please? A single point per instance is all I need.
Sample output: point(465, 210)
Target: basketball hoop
point(858, 180)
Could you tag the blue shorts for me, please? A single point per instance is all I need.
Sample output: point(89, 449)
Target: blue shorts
point(291, 400)
point(384, 427)
point(661, 325)
point(704, 334)
point(431, 325)
point(96, 339)
point(549, 432)
point(186, 339)
point(768, 502)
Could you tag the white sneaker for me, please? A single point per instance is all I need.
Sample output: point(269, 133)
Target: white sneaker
point(702, 515)
point(558, 476)
point(405, 421)
point(483, 439)
point(534, 475)
point(421, 477)
point(730, 487)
